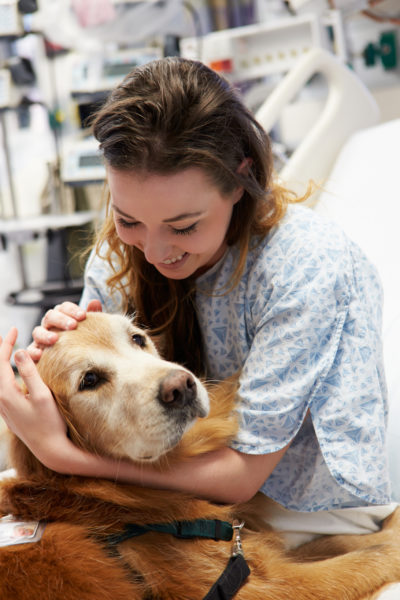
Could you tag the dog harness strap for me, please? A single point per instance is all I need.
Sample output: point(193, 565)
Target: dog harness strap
point(231, 580)
point(213, 529)
point(236, 571)
point(204, 528)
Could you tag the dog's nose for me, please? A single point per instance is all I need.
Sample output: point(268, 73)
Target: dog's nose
point(177, 389)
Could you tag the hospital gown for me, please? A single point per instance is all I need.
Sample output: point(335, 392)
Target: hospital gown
point(303, 327)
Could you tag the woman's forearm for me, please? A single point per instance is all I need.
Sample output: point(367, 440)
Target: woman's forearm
point(223, 476)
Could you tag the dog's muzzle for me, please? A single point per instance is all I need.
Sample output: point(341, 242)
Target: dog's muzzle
point(178, 390)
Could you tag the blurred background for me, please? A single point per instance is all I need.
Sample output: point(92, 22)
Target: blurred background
point(60, 58)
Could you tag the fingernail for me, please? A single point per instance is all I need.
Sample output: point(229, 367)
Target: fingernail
point(70, 324)
point(80, 313)
point(20, 356)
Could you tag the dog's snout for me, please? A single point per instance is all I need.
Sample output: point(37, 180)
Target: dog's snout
point(177, 389)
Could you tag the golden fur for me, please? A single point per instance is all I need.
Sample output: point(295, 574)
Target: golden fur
point(131, 393)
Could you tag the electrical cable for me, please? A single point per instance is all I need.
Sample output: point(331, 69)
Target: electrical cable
point(380, 18)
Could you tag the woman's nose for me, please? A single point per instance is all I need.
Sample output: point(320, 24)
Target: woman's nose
point(154, 248)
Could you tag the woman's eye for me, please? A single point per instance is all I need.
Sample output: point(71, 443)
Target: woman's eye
point(139, 340)
point(186, 230)
point(126, 224)
point(89, 381)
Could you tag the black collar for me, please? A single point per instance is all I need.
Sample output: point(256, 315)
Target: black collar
point(236, 571)
point(212, 529)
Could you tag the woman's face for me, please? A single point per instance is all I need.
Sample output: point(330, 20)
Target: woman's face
point(178, 221)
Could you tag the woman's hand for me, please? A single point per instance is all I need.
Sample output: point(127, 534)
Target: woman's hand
point(63, 316)
point(35, 418)
point(32, 416)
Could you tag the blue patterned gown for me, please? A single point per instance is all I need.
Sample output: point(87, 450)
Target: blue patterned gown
point(303, 327)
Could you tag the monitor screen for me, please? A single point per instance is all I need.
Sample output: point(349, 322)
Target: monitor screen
point(90, 160)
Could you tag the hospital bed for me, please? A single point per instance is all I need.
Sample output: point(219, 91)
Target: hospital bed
point(354, 159)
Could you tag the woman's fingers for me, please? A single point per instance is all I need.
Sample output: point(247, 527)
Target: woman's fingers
point(37, 389)
point(94, 306)
point(8, 384)
point(42, 337)
point(7, 345)
point(63, 316)
point(10, 392)
point(71, 309)
point(35, 351)
point(35, 418)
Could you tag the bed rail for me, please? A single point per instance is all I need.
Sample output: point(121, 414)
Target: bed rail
point(349, 107)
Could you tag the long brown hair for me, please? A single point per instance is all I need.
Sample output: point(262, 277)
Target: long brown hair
point(166, 116)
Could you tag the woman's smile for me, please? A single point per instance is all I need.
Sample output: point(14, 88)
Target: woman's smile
point(172, 261)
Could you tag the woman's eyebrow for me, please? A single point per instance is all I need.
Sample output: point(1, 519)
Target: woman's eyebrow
point(121, 212)
point(184, 216)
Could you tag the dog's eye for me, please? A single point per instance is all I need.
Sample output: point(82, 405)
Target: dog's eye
point(139, 340)
point(89, 381)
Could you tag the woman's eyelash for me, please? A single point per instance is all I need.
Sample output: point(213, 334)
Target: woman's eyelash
point(191, 229)
point(186, 231)
point(126, 224)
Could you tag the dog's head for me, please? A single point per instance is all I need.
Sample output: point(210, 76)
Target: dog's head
point(119, 397)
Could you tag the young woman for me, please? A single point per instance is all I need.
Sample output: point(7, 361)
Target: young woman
point(208, 250)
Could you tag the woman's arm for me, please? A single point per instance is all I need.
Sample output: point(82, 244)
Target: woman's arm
point(225, 475)
point(222, 476)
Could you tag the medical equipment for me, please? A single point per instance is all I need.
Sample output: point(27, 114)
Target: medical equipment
point(252, 51)
point(5, 88)
point(97, 73)
point(92, 77)
point(54, 228)
point(10, 19)
point(82, 163)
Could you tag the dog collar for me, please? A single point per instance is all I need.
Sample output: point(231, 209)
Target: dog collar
point(212, 529)
point(236, 571)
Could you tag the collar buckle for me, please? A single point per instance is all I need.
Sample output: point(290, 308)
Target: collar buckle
point(237, 547)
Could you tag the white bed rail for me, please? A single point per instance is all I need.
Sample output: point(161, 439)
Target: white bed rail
point(349, 107)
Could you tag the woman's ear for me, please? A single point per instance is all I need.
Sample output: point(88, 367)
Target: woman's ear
point(244, 167)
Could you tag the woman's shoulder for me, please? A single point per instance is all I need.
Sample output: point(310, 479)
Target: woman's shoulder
point(303, 240)
point(308, 256)
point(101, 262)
point(98, 271)
point(303, 229)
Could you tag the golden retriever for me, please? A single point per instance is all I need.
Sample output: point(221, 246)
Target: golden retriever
point(120, 399)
